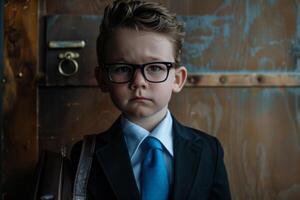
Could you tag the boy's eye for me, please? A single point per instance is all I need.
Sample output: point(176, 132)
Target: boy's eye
point(156, 68)
point(121, 69)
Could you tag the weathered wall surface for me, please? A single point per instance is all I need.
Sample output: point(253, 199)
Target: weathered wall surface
point(258, 125)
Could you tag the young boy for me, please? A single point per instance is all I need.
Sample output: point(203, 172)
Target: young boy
point(147, 154)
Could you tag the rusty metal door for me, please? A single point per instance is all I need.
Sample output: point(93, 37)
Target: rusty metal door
point(243, 87)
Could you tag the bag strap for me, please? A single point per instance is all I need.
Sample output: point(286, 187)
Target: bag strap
point(84, 167)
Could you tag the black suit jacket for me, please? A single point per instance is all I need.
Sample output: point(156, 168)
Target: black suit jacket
point(199, 171)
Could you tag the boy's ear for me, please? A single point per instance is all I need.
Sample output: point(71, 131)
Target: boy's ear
point(180, 78)
point(100, 76)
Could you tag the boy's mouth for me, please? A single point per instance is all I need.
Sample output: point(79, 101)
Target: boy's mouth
point(140, 99)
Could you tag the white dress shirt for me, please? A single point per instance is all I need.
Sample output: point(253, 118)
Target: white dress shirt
point(135, 135)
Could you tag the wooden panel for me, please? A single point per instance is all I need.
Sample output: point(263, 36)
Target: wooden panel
point(69, 113)
point(89, 7)
point(242, 35)
point(20, 100)
point(260, 133)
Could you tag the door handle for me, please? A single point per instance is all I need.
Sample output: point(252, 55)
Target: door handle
point(66, 44)
point(67, 65)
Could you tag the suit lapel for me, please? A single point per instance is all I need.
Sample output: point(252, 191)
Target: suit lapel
point(114, 159)
point(187, 154)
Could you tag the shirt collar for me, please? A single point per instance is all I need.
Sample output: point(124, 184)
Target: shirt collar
point(135, 134)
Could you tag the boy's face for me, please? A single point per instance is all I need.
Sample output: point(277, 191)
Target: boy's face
point(139, 98)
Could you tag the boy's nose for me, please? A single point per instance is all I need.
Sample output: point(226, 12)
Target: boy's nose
point(138, 79)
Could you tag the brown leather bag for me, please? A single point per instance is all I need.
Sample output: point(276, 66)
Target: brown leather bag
point(54, 180)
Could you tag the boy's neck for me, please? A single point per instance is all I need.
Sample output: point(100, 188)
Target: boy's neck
point(149, 123)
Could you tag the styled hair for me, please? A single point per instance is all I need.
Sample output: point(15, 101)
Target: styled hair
point(140, 15)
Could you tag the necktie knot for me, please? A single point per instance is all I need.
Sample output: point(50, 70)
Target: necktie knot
point(152, 143)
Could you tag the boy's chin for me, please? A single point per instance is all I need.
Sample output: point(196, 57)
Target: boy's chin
point(144, 114)
point(138, 114)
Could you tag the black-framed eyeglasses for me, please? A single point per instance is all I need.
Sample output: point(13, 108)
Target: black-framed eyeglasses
point(154, 72)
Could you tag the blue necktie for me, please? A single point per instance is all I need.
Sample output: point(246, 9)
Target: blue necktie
point(154, 177)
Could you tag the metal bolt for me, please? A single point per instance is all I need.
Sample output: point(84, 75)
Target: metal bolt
point(4, 80)
point(223, 79)
point(259, 79)
point(20, 75)
point(194, 79)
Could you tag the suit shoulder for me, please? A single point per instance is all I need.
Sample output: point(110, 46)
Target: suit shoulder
point(200, 133)
point(202, 137)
